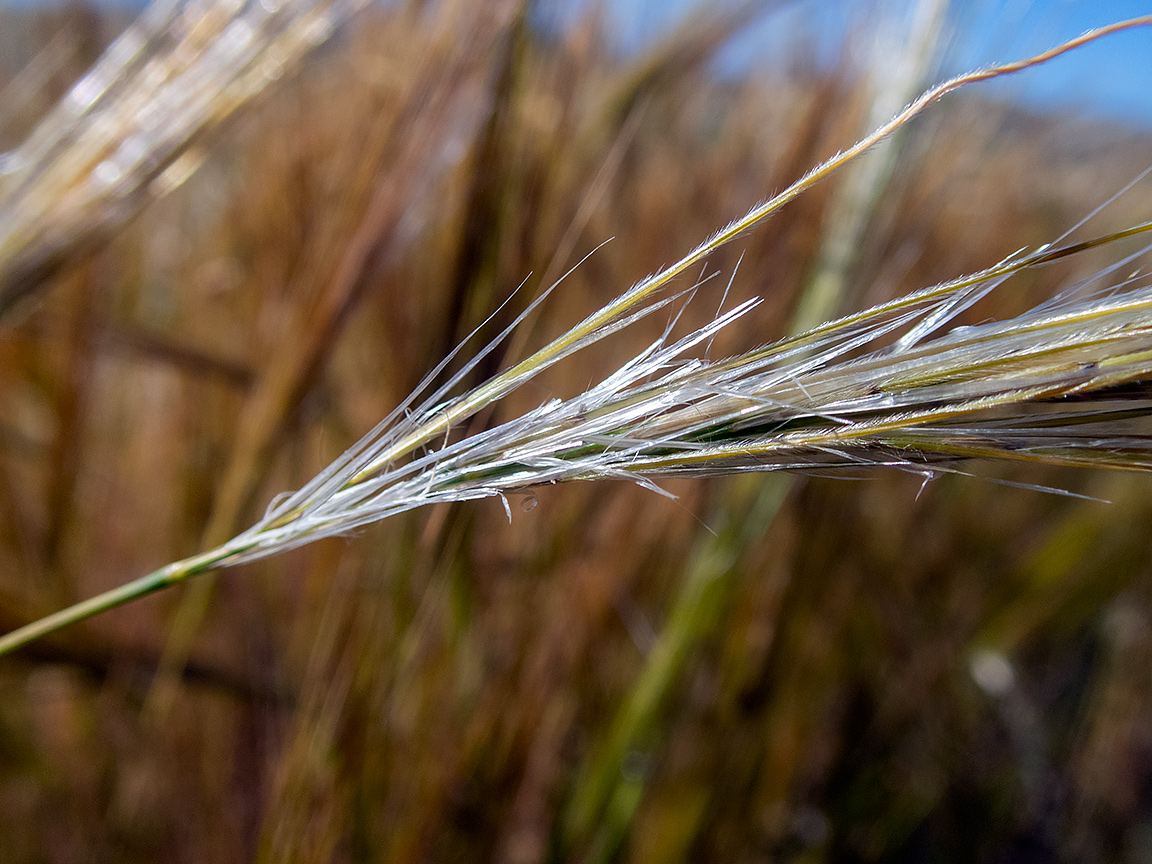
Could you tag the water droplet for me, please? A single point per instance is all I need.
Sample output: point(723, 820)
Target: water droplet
point(528, 502)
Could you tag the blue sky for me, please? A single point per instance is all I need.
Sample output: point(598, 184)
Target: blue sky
point(1111, 79)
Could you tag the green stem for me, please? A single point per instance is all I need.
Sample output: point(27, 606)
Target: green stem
point(137, 588)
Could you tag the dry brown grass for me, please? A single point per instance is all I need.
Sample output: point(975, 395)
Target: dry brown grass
point(438, 687)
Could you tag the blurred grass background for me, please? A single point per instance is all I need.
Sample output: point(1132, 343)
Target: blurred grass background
point(762, 670)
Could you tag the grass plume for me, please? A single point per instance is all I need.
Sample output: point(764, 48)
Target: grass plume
point(883, 387)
